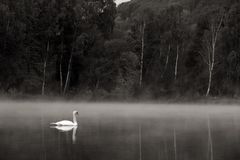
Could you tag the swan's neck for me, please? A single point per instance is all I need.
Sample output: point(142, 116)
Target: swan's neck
point(74, 119)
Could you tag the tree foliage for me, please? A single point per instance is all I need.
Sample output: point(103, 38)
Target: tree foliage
point(142, 48)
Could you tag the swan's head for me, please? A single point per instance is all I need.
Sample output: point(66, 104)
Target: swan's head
point(75, 112)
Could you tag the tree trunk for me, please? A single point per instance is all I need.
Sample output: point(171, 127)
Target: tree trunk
point(70, 64)
point(61, 75)
point(209, 82)
point(44, 77)
point(142, 55)
point(211, 53)
point(210, 68)
point(44, 69)
point(97, 85)
point(167, 59)
point(68, 74)
point(211, 63)
point(60, 69)
point(176, 63)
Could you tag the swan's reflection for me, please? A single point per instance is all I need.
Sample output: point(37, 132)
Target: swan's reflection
point(67, 129)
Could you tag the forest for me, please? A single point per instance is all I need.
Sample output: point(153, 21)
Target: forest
point(142, 49)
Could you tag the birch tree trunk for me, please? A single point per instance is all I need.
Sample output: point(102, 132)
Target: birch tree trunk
point(69, 64)
point(211, 64)
point(44, 69)
point(167, 59)
point(60, 74)
point(215, 29)
point(176, 63)
point(60, 69)
point(209, 82)
point(68, 74)
point(44, 76)
point(142, 54)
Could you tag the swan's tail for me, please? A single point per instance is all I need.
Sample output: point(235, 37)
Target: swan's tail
point(53, 124)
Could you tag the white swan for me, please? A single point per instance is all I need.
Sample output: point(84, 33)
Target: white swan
point(63, 128)
point(66, 122)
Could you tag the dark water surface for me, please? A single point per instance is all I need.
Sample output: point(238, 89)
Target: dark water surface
point(119, 132)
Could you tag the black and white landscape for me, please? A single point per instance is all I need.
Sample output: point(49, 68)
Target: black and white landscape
point(133, 80)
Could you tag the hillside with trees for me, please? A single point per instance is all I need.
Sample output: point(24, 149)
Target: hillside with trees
point(89, 49)
point(185, 46)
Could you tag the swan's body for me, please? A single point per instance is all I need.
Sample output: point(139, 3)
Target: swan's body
point(64, 123)
point(64, 128)
point(67, 122)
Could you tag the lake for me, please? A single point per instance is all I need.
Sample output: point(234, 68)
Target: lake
point(119, 132)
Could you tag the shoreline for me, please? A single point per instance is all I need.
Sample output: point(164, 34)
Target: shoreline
point(163, 100)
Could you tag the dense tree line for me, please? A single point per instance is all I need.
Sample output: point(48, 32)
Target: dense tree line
point(55, 46)
point(186, 47)
point(90, 48)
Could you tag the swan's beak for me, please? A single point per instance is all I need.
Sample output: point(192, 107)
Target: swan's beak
point(76, 113)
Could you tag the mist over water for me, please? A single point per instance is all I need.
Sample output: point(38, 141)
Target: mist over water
point(119, 131)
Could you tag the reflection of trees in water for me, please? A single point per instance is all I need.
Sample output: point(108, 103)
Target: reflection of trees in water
point(66, 139)
point(44, 153)
point(210, 142)
point(125, 140)
point(140, 141)
point(68, 129)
